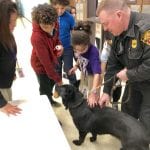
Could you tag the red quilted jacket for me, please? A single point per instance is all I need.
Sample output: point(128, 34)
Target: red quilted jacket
point(43, 58)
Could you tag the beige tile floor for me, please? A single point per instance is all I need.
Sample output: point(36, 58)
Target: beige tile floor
point(26, 88)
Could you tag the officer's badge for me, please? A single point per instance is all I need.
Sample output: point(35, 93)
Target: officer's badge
point(134, 43)
point(146, 37)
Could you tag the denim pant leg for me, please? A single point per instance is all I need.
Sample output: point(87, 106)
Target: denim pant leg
point(59, 66)
point(68, 64)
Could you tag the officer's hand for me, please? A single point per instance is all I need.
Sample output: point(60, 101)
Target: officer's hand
point(104, 100)
point(122, 75)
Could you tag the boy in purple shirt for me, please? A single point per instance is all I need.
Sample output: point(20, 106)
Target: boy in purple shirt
point(88, 62)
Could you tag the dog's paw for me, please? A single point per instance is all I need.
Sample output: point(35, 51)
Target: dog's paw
point(77, 142)
point(92, 139)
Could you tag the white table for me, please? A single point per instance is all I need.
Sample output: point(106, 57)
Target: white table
point(37, 128)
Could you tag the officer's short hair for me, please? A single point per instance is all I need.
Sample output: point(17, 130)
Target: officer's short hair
point(111, 5)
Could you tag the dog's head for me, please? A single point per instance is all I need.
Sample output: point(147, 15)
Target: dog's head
point(70, 94)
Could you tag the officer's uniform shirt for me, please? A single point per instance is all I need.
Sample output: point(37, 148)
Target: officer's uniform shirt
point(131, 50)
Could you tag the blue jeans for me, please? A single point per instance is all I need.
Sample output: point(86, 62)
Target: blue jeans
point(66, 60)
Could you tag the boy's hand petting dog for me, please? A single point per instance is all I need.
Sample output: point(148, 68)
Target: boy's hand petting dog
point(55, 93)
point(72, 70)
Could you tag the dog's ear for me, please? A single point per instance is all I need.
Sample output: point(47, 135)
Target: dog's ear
point(70, 92)
point(69, 96)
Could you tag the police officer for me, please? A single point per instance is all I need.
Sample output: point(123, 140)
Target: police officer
point(129, 58)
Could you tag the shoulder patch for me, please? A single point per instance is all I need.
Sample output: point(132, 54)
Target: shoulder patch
point(146, 37)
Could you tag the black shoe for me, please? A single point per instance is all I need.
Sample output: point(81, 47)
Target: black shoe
point(55, 104)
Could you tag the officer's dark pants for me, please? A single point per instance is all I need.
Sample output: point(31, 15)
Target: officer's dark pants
point(138, 104)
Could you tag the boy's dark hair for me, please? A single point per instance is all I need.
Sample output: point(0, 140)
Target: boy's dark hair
point(44, 13)
point(80, 38)
point(60, 2)
point(83, 26)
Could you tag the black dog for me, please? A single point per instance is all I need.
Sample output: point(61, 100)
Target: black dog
point(102, 121)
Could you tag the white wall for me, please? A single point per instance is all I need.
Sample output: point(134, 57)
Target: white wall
point(29, 4)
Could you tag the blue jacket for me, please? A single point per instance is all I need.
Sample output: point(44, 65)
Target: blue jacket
point(66, 24)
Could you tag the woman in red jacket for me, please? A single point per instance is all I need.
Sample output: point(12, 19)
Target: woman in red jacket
point(44, 40)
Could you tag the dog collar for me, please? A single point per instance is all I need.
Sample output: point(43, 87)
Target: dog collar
point(78, 104)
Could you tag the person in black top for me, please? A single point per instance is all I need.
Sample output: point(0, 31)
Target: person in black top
point(8, 51)
point(129, 58)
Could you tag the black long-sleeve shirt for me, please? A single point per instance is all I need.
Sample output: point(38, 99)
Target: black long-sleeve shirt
point(7, 69)
point(3, 102)
point(131, 50)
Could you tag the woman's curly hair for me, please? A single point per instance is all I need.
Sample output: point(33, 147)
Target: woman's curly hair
point(44, 13)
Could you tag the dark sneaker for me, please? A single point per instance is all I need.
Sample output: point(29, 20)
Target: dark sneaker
point(55, 104)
